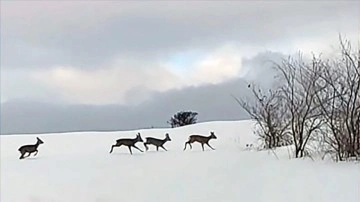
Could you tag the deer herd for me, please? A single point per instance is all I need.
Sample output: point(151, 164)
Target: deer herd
point(130, 142)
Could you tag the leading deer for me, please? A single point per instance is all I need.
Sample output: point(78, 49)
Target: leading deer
point(128, 142)
point(201, 139)
point(30, 148)
point(157, 142)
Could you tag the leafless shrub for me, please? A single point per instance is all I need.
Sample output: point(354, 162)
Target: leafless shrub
point(340, 104)
point(317, 101)
point(299, 93)
point(268, 112)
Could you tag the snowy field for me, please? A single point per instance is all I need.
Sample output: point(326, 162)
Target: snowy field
point(77, 167)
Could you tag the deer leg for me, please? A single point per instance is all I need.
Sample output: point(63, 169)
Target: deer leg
point(157, 148)
point(130, 149)
point(163, 147)
point(210, 146)
point(22, 156)
point(185, 145)
point(190, 145)
point(111, 150)
point(137, 148)
point(146, 147)
point(112, 147)
point(36, 151)
point(202, 145)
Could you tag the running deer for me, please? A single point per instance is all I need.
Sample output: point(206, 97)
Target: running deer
point(157, 142)
point(128, 142)
point(201, 139)
point(30, 148)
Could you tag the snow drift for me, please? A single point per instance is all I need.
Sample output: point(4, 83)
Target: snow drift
point(77, 167)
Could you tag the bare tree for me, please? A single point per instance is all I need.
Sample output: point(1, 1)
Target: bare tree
point(299, 92)
point(268, 110)
point(340, 103)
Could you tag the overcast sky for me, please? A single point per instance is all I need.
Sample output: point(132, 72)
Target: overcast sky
point(115, 65)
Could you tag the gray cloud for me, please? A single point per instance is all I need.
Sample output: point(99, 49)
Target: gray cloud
point(87, 34)
point(54, 53)
point(260, 70)
point(212, 102)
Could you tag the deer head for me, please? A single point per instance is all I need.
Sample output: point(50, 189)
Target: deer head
point(138, 138)
point(167, 137)
point(39, 141)
point(212, 135)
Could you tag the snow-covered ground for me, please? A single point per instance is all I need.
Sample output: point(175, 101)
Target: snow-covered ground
point(77, 167)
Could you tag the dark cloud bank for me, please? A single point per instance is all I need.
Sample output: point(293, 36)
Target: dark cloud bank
point(211, 102)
